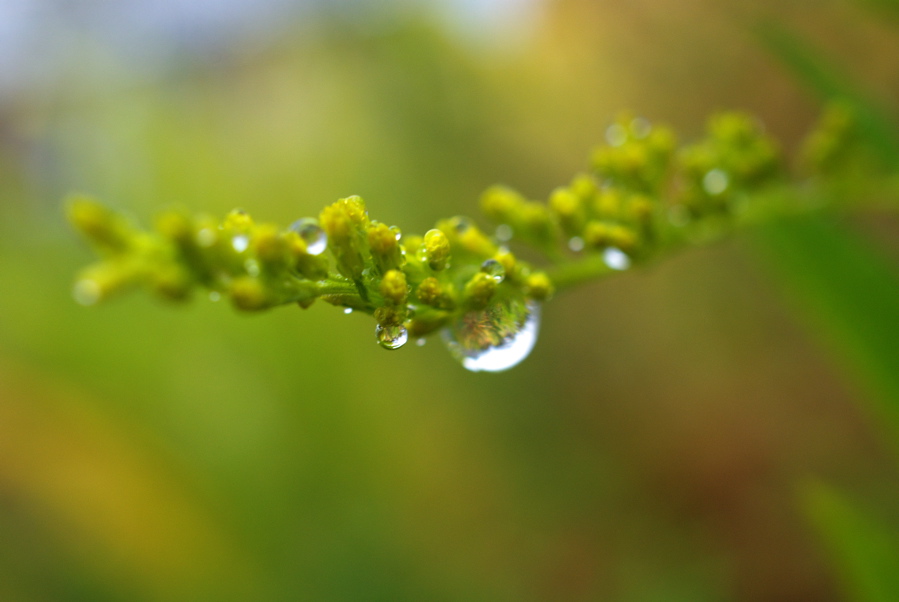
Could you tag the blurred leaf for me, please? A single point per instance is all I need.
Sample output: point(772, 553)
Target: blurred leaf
point(828, 82)
point(889, 8)
point(849, 295)
point(867, 552)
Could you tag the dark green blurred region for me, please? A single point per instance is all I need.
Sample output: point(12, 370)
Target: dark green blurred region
point(649, 449)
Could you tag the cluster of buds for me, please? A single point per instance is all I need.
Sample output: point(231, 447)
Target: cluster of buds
point(641, 195)
point(412, 285)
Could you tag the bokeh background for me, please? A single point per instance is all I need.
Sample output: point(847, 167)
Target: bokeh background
point(655, 445)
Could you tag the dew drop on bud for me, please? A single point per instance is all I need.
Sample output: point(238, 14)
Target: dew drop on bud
point(495, 338)
point(715, 182)
point(391, 337)
point(347, 310)
point(616, 259)
point(494, 269)
point(312, 234)
point(240, 243)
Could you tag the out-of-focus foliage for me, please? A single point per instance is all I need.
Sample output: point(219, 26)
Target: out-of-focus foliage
point(648, 450)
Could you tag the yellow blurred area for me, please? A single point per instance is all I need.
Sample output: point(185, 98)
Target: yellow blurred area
point(649, 449)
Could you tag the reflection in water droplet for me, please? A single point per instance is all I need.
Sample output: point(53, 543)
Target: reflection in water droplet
point(347, 310)
point(616, 135)
point(576, 244)
point(391, 337)
point(214, 296)
point(312, 234)
point(616, 259)
point(86, 292)
point(240, 243)
point(715, 182)
point(496, 338)
point(494, 269)
point(503, 233)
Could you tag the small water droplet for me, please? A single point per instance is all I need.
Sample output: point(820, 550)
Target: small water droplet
point(616, 135)
point(391, 337)
point(715, 181)
point(616, 259)
point(240, 243)
point(576, 244)
point(252, 267)
point(461, 224)
point(86, 292)
point(421, 341)
point(214, 296)
point(312, 234)
point(503, 233)
point(347, 310)
point(496, 338)
point(494, 269)
point(396, 232)
point(206, 237)
point(641, 127)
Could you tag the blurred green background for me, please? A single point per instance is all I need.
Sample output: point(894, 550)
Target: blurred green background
point(654, 447)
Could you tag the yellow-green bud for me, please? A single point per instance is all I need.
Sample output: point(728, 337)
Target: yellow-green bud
point(345, 222)
point(436, 249)
point(479, 290)
point(238, 220)
point(249, 294)
point(538, 286)
point(385, 249)
point(172, 282)
point(268, 244)
point(393, 287)
point(431, 292)
point(175, 226)
point(596, 234)
point(623, 238)
point(501, 204)
point(99, 224)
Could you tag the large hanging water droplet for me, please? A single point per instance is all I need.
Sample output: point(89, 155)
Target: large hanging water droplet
point(312, 234)
point(391, 337)
point(494, 269)
point(496, 338)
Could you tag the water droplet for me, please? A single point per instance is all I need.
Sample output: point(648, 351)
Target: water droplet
point(616, 259)
point(616, 135)
point(503, 233)
point(496, 338)
point(396, 232)
point(252, 267)
point(391, 337)
point(494, 269)
point(715, 182)
point(214, 296)
point(421, 341)
point(641, 127)
point(576, 244)
point(461, 224)
point(240, 243)
point(206, 237)
point(347, 310)
point(312, 234)
point(86, 292)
